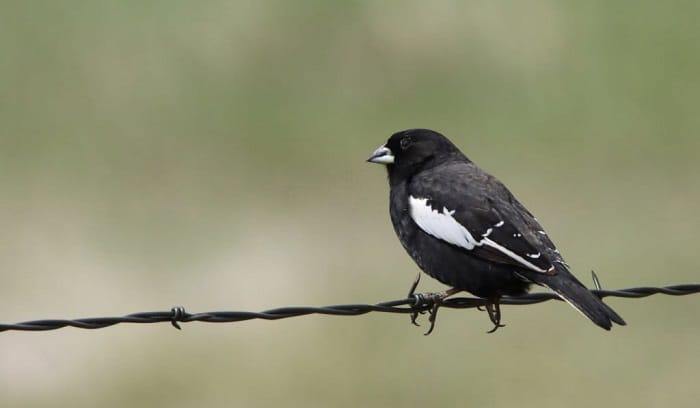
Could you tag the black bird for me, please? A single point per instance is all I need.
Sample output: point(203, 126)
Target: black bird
point(464, 228)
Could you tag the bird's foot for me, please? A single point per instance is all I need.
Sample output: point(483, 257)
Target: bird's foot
point(436, 299)
point(494, 311)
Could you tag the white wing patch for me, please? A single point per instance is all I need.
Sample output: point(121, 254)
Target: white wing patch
point(442, 225)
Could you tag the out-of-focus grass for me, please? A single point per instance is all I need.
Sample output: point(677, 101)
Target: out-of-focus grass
point(210, 154)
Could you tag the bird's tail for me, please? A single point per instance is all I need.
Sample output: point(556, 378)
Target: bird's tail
point(577, 295)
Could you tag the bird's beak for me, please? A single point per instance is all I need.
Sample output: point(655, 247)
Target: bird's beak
point(383, 155)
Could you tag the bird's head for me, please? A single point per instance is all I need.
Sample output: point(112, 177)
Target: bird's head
point(414, 148)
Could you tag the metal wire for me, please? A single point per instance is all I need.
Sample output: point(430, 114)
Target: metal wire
point(416, 303)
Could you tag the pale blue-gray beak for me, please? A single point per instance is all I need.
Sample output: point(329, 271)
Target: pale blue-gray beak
point(383, 155)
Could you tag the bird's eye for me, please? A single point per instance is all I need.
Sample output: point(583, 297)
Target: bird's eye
point(406, 142)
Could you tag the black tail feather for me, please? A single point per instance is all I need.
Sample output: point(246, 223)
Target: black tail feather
point(582, 299)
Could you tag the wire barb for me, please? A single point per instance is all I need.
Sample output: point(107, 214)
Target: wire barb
point(409, 305)
point(178, 315)
point(596, 281)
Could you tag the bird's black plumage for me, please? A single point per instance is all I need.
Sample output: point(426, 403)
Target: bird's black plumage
point(464, 227)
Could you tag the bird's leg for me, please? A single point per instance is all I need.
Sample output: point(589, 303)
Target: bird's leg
point(494, 311)
point(437, 299)
point(411, 293)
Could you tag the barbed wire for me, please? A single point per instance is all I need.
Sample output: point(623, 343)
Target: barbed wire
point(414, 304)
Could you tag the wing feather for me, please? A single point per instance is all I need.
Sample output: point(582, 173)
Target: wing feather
point(492, 226)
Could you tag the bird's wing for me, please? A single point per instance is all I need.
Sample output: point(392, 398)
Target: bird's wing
point(466, 207)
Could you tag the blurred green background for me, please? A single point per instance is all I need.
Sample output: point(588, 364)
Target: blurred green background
point(211, 154)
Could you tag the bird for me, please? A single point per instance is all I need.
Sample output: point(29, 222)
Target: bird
point(463, 227)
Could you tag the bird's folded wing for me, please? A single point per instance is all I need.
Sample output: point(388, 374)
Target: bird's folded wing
point(497, 229)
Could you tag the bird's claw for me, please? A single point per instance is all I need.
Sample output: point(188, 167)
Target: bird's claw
point(433, 315)
point(434, 299)
point(437, 301)
point(494, 312)
point(496, 327)
point(414, 316)
point(419, 300)
point(427, 298)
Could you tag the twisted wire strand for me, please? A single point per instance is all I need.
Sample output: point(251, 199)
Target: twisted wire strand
point(416, 303)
